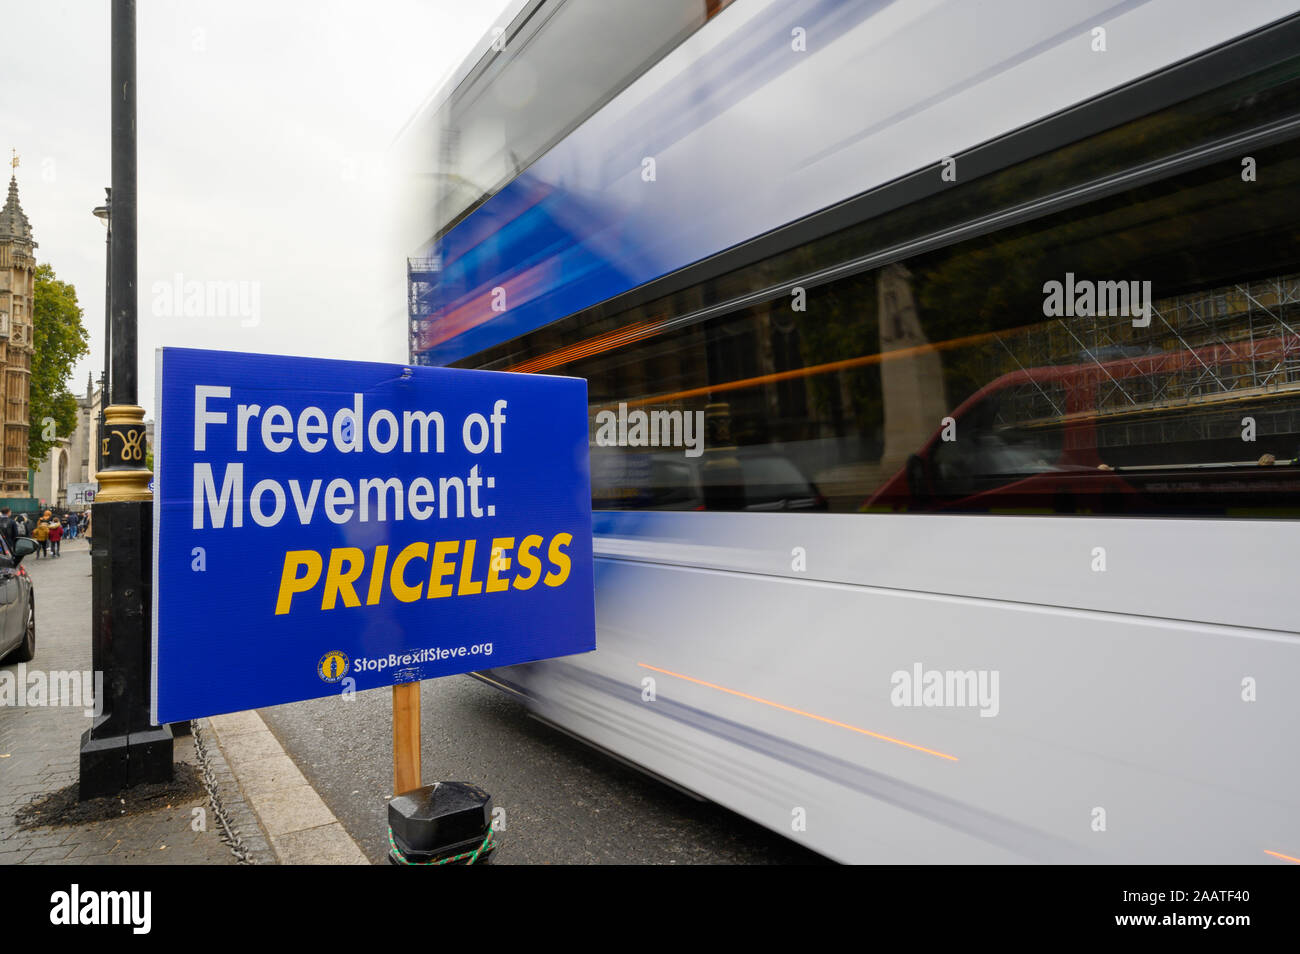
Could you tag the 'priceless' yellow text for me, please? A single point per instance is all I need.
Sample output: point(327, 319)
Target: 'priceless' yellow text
point(422, 571)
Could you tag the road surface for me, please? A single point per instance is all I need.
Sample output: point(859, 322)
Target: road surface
point(564, 802)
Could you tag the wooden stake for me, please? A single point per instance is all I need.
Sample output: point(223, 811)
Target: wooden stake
point(406, 737)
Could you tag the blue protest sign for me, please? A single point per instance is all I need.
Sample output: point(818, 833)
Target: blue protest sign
point(330, 525)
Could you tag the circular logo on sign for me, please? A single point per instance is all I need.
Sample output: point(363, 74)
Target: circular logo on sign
point(333, 666)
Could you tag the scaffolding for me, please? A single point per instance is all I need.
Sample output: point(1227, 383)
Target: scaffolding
point(422, 276)
point(1218, 352)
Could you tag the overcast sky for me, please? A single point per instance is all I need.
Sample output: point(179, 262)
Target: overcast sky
point(263, 129)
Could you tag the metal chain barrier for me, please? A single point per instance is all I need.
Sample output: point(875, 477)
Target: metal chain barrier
point(226, 829)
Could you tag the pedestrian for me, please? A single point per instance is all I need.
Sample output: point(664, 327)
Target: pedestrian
point(89, 541)
point(8, 529)
point(69, 527)
point(20, 522)
point(56, 536)
point(42, 536)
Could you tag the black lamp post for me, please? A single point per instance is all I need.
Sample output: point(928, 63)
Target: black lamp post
point(123, 748)
point(104, 214)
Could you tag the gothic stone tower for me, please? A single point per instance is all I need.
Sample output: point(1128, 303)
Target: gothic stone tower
point(17, 287)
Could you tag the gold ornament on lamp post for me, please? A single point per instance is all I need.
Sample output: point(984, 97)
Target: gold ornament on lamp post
point(123, 448)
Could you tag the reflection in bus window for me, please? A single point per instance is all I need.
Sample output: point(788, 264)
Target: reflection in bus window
point(950, 380)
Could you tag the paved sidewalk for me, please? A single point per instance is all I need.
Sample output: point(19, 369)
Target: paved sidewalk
point(301, 826)
point(273, 810)
point(39, 756)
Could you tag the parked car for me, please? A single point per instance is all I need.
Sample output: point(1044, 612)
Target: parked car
point(17, 602)
point(729, 478)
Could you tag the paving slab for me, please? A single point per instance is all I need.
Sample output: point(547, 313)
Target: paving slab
point(40, 745)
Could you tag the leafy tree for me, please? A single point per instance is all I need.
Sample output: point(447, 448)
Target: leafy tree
point(59, 339)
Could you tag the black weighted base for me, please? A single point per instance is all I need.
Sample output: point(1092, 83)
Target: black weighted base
point(103, 766)
point(439, 821)
point(116, 762)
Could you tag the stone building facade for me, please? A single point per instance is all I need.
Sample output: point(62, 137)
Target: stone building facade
point(72, 459)
point(17, 289)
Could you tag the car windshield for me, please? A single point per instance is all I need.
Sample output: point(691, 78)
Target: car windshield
point(770, 479)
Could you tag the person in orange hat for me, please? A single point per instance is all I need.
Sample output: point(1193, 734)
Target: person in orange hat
point(41, 534)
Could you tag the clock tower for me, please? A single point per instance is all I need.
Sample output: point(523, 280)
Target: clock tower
point(17, 288)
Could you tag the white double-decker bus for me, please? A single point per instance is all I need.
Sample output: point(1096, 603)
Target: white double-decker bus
point(944, 372)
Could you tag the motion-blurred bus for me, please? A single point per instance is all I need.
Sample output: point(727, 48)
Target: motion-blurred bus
point(970, 558)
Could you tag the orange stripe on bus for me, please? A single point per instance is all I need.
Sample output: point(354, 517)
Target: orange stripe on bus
point(841, 365)
point(591, 346)
point(808, 715)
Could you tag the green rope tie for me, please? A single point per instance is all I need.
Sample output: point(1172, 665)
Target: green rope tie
point(473, 856)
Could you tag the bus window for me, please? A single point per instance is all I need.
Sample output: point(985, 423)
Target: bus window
point(1136, 353)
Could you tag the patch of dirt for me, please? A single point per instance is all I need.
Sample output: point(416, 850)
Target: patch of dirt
point(62, 808)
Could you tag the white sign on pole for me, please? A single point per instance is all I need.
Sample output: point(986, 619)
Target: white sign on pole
point(81, 495)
